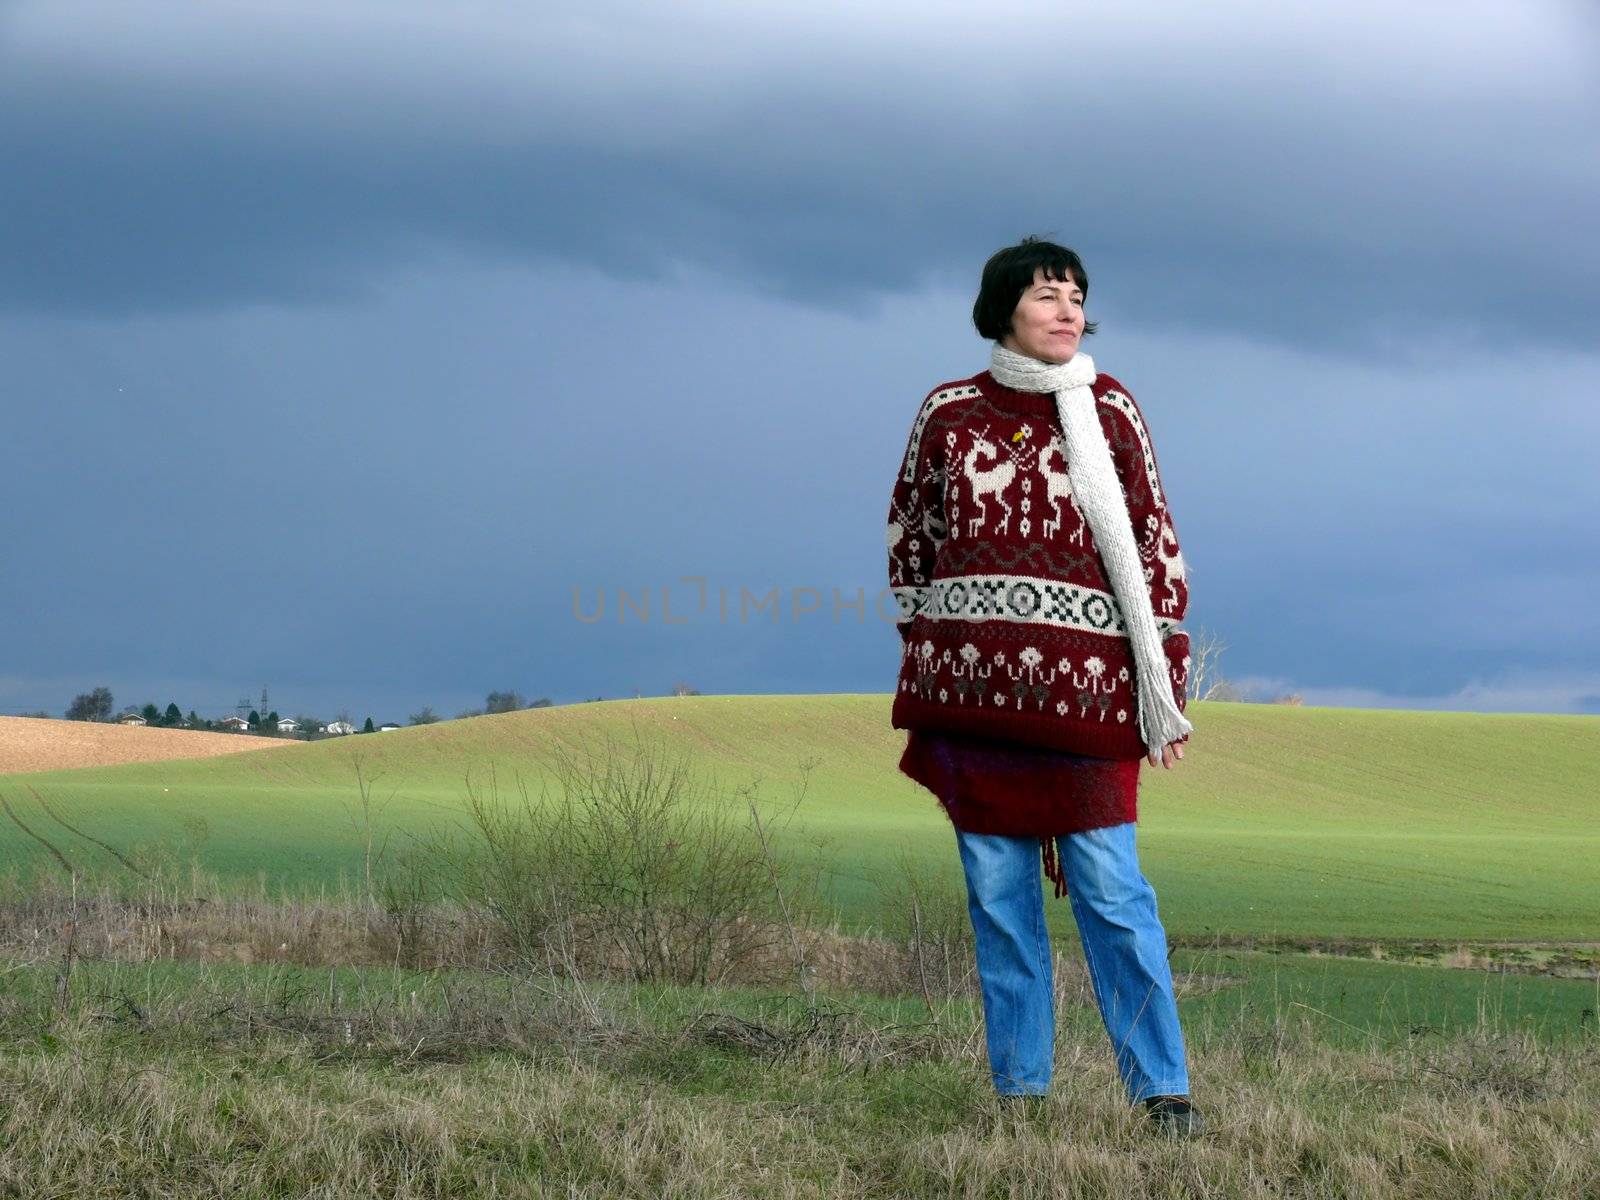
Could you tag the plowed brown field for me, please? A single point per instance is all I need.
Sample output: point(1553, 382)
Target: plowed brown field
point(35, 744)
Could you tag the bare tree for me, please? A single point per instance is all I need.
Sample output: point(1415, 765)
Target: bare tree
point(1206, 681)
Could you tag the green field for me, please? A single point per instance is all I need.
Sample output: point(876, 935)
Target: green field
point(1280, 822)
point(1320, 1075)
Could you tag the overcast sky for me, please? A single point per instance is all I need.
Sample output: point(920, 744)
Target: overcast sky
point(345, 347)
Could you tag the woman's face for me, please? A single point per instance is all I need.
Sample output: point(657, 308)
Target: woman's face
point(1048, 322)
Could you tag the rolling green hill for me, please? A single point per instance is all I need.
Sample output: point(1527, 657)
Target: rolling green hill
point(1280, 821)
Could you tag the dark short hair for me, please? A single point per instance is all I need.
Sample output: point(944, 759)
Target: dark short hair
point(1009, 273)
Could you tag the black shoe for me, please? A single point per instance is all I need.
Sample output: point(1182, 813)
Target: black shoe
point(1174, 1115)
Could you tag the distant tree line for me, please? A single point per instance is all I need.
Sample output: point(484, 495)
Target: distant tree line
point(100, 705)
point(504, 702)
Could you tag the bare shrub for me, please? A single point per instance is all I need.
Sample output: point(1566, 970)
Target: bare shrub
point(634, 866)
point(409, 895)
point(930, 948)
point(926, 919)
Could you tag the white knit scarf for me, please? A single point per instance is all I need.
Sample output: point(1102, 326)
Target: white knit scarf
point(1098, 493)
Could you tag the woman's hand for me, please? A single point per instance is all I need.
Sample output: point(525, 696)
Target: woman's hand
point(1169, 753)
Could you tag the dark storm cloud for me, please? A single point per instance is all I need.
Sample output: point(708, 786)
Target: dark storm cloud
point(1359, 173)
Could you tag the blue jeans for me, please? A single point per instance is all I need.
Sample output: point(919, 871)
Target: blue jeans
point(1123, 943)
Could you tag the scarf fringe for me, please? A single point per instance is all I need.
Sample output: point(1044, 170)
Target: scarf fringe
point(1052, 866)
point(1161, 721)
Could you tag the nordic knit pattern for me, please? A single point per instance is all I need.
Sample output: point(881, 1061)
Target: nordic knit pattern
point(1010, 628)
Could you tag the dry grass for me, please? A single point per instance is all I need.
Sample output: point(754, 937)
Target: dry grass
point(37, 744)
point(494, 1086)
point(139, 1059)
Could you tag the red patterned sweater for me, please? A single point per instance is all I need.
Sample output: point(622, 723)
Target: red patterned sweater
point(1010, 628)
point(1010, 778)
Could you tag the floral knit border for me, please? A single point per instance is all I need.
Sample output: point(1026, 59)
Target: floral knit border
point(1089, 689)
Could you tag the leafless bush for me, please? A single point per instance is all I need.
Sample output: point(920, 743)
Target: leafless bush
point(929, 945)
point(418, 927)
point(926, 918)
point(634, 866)
point(409, 899)
point(193, 920)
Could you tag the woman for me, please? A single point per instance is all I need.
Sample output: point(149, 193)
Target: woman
point(1040, 588)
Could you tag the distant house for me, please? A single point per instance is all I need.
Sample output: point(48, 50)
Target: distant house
point(234, 724)
point(387, 726)
point(288, 725)
point(338, 727)
point(131, 719)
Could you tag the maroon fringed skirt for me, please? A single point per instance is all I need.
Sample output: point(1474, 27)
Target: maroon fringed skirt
point(1022, 791)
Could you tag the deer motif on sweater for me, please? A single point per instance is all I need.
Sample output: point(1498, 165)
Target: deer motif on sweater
point(990, 482)
point(1058, 487)
point(1171, 560)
